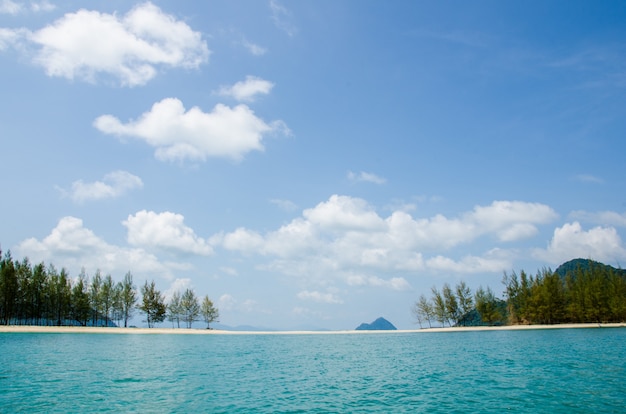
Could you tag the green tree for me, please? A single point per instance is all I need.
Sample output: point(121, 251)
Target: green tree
point(95, 297)
point(106, 297)
point(487, 306)
point(423, 311)
point(190, 307)
point(465, 299)
point(452, 305)
point(38, 286)
point(209, 312)
point(439, 307)
point(8, 289)
point(116, 307)
point(152, 304)
point(129, 298)
point(175, 309)
point(547, 298)
point(23, 305)
point(80, 300)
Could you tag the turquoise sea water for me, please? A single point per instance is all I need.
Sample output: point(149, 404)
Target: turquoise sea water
point(551, 371)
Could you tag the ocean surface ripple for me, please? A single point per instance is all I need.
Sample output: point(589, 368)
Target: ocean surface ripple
point(551, 371)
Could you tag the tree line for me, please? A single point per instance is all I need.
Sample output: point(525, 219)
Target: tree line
point(592, 293)
point(43, 295)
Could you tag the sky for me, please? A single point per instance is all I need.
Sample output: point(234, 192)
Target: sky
point(312, 165)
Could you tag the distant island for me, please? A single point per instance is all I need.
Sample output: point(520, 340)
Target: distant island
point(380, 324)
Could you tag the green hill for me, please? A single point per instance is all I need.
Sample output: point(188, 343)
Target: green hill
point(572, 266)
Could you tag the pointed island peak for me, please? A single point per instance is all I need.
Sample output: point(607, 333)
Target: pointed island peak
point(380, 324)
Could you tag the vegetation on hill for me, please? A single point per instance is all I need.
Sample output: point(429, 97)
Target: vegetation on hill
point(579, 291)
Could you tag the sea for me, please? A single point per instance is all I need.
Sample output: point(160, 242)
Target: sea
point(532, 371)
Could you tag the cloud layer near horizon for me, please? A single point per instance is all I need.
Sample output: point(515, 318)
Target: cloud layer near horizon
point(342, 240)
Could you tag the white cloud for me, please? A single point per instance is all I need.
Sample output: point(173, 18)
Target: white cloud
point(469, 264)
point(241, 239)
point(131, 48)
point(74, 246)
point(112, 185)
point(511, 220)
point(344, 239)
point(247, 91)
point(282, 18)
point(178, 285)
point(194, 135)
point(42, 6)
point(570, 241)
point(395, 283)
point(14, 7)
point(11, 37)
point(588, 178)
point(342, 212)
point(253, 48)
point(319, 297)
point(365, 177)
point(10, 7)
point(164, 231)
point(605, 218)
point(285, 205)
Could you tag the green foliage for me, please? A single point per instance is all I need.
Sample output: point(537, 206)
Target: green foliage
point(128, 298)
point(175, 309)
point(152, 304)
point(40, 294)
point(487, 306)
point(423, 311)
point(579, 291)
point(209, 312)
point(190, 307)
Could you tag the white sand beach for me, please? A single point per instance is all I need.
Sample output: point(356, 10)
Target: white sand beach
point(182, 331)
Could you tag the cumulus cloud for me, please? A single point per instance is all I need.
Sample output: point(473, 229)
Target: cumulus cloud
point(180, 135)
point(165, 231)
point(346, 240)
point(342, 212)
point(112, 185)
point(511, 220)
point(76, 246)
point(247, 90)
point(130, 48)
point(365, 177)
point(319, 297)
point(570, 241)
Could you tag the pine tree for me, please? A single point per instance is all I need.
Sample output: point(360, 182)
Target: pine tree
point(209, 312)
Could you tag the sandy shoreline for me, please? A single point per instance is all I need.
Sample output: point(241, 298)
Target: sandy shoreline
point(102, 330)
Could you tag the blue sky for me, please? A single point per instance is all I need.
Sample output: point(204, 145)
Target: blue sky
point(313, 164)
